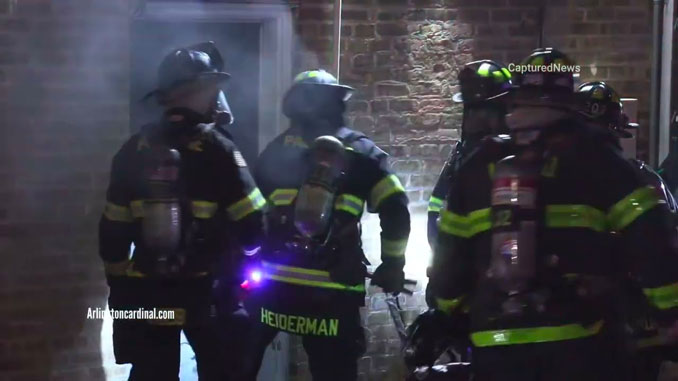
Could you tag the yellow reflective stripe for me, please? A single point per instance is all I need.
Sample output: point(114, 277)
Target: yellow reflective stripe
point(388, 186)
point(435, 204)
point(248, 205)
point(117, 268)
point(299, 270)
point(204, 209)
point(282, 197)
point(534, 335)
point(393, 248)
point(350, 203)
point(490, 169)
point(575, 216)
point(623, 213)
point(550, 167)
point(304, 277)
point(137, 207)
point(312, 283)
point(448, 305)
point(664, 297)
point(117, 213)
point(306, 75)
point(465, 226)
point(484, 70)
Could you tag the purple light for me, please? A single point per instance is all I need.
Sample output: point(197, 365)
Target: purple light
point(256, 276)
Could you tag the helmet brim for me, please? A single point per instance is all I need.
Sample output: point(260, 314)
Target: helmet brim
point(217, 77)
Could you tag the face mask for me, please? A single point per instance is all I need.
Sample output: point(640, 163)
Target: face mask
point(178, 117)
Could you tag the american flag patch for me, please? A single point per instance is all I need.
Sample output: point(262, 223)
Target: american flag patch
point(239, 160)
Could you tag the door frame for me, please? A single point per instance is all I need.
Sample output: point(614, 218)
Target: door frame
point(275, 46)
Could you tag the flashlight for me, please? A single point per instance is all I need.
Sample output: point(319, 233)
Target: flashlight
point(254, 277)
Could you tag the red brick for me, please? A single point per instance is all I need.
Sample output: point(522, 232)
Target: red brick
point(585, 28)
point(391, 29)
point(474, 15)
point(316, 14)
point(392, 89)
point(391, 15)
point(512, 15)
point(365, 31)
point(392, 3)
point(353, 15)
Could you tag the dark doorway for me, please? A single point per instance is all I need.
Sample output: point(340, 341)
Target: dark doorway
point(151, 40)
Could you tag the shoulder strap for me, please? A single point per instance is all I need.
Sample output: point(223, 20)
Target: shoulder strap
point(348, 136)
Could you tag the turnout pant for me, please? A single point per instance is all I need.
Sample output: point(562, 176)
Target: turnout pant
point(589, 359)
point(327, 322)
point(153, 346)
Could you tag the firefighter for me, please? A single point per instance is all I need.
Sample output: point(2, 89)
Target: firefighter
point(485, 89)
point(318, 176)
point(176, 189)
point(537, 233)
point(485, 86)
point(601, 105)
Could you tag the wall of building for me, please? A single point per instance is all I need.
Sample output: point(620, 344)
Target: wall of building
point(64, 112)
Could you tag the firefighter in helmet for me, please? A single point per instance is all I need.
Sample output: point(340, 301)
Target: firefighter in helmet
point(318, 176)
point(602, 107)
point(485, 88)
point(176, 189)
point(537, 233)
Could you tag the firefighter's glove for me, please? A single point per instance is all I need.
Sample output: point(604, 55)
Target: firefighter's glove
point(390, 277)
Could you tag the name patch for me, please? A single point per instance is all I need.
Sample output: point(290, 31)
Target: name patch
point(300, 325)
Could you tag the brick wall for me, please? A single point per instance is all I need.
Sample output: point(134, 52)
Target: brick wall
point(64, 106)
point(63, 102)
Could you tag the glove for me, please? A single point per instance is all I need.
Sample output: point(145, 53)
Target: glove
point(390, 277)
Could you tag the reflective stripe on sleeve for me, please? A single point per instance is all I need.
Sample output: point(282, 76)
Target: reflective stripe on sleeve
point(117, 213)
point(534, 335)
point(304, 277)
point(435, 204)
point(388, 186)
point(248, 205)
point(282, 197)
point(395, 248)
point(575, 216)
point(204, 209)
point(623, 213)
point(465, 226)
point(664, 297)
point(350, 204)
point(137, 207)
point(448, 305)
